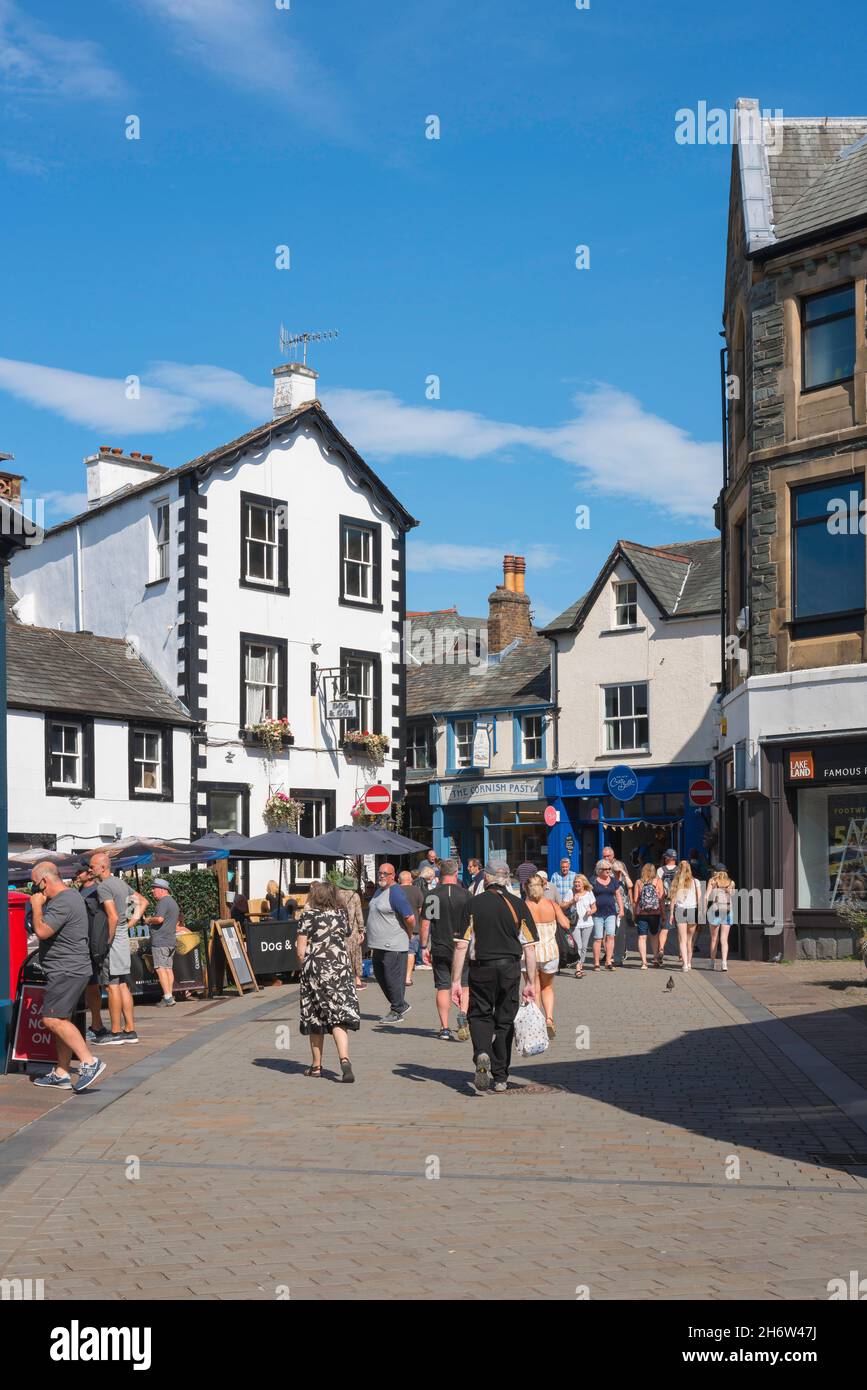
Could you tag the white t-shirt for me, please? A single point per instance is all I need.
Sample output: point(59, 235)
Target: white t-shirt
point(583, 909)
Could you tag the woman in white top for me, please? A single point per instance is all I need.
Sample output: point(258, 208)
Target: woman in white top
point(584, 908)
point(684, 911)
point(548, 916)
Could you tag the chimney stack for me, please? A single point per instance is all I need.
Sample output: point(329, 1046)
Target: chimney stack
point(110, 470)
point(509, 607)
point(294, 386)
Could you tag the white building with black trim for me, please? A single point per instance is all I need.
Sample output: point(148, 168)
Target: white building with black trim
point(264, 579)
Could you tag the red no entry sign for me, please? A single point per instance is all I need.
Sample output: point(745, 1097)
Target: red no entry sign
point(377, 799)
point(701, 792)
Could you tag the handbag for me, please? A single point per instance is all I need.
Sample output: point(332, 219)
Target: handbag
point(567, 947)
point(531, 1032)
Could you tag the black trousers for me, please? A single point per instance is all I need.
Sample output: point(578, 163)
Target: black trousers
point(495, 994)
point(389, 971)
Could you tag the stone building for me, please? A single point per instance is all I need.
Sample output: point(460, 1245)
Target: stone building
point(792, 766)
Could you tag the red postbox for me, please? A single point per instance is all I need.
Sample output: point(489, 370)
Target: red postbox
point(17, 938)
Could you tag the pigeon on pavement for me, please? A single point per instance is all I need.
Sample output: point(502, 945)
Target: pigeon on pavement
point(670, 984)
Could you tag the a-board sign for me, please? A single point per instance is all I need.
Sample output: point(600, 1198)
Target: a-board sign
point(271, 947)
point(32, 1041)
point(235, 953)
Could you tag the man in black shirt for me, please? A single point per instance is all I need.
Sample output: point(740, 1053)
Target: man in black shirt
point(444, 920)
point(498, 933)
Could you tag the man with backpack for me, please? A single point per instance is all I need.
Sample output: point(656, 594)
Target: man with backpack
point(665, 873)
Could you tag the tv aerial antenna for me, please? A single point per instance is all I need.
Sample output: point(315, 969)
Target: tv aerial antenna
point(294, 340)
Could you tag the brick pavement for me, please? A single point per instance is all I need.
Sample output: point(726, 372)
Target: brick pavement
point(611, 1174)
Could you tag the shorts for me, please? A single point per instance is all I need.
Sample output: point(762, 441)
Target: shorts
point(162, 957)
point(107, 975)
point(62, 994)
point(604, 925)
point(648, 924)
point(442, 972)
point(548, 967)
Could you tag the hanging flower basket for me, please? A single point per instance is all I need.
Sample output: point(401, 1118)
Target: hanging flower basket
point(375, 746)
point(281, 812)
point(273, 734)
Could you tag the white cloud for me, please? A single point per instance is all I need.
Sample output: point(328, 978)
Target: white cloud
point(215, 386)
point(33, 61)
point(617, 447)
point(97, 402)
point(20, 163)
point(250, 43)
point(60, 505)
point(424, 557)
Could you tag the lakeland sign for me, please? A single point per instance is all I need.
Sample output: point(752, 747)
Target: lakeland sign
point(490, 789)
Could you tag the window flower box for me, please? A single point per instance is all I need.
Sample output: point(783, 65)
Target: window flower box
point(272, 734)
point(362, 741)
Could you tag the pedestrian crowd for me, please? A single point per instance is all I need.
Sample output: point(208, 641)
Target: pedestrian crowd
point(494, 941)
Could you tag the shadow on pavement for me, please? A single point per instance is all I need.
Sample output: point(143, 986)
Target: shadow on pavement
point(731, 1085)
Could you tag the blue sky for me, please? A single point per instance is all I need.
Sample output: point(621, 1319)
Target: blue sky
point(262, 126)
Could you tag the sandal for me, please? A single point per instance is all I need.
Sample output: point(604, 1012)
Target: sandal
point(346, 1068)
point(313, 1071)
point(549, 1024)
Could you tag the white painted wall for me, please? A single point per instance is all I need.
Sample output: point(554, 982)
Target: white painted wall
point(31, 811)
point(829, 699)
point(318, 491)
point(112, 548)
point(680, 661)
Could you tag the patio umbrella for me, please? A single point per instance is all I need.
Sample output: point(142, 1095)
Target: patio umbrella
point(282, 844)
point(228, 840)
point(22, 863)
point(352, 840)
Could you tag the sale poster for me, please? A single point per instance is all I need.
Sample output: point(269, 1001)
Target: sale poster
point(847, 845)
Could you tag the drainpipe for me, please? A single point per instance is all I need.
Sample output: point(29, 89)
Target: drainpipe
point(79, 584)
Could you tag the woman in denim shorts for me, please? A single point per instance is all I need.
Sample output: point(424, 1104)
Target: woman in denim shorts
point(609, 906)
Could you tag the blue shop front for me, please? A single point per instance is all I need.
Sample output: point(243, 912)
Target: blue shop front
point(489, 818)
point(641, 812)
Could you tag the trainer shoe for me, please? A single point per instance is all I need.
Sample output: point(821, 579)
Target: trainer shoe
point(391, 1018)
point(166, 1002)
point(131, 1037)
point(87, 1074)
point(404, 1011)
point(97, 1035)
point(463, 1028)
point(482, 1078)
point(444, 1035)
point(55, 1082)
point(114, 1040)
point(501, 1086)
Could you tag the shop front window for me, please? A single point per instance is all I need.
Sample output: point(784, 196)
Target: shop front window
point(832, 846)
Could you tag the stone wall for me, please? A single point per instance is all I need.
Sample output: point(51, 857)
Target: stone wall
point(763, 573)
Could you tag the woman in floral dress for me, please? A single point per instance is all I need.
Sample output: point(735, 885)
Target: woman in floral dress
point(329, 1003)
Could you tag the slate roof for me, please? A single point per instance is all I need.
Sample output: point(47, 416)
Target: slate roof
point(824, 181)
point(259, 436)
point(79, 673)
point(520, 678)
point(683, 580)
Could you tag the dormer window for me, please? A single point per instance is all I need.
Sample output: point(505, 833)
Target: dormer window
point(828, 338)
